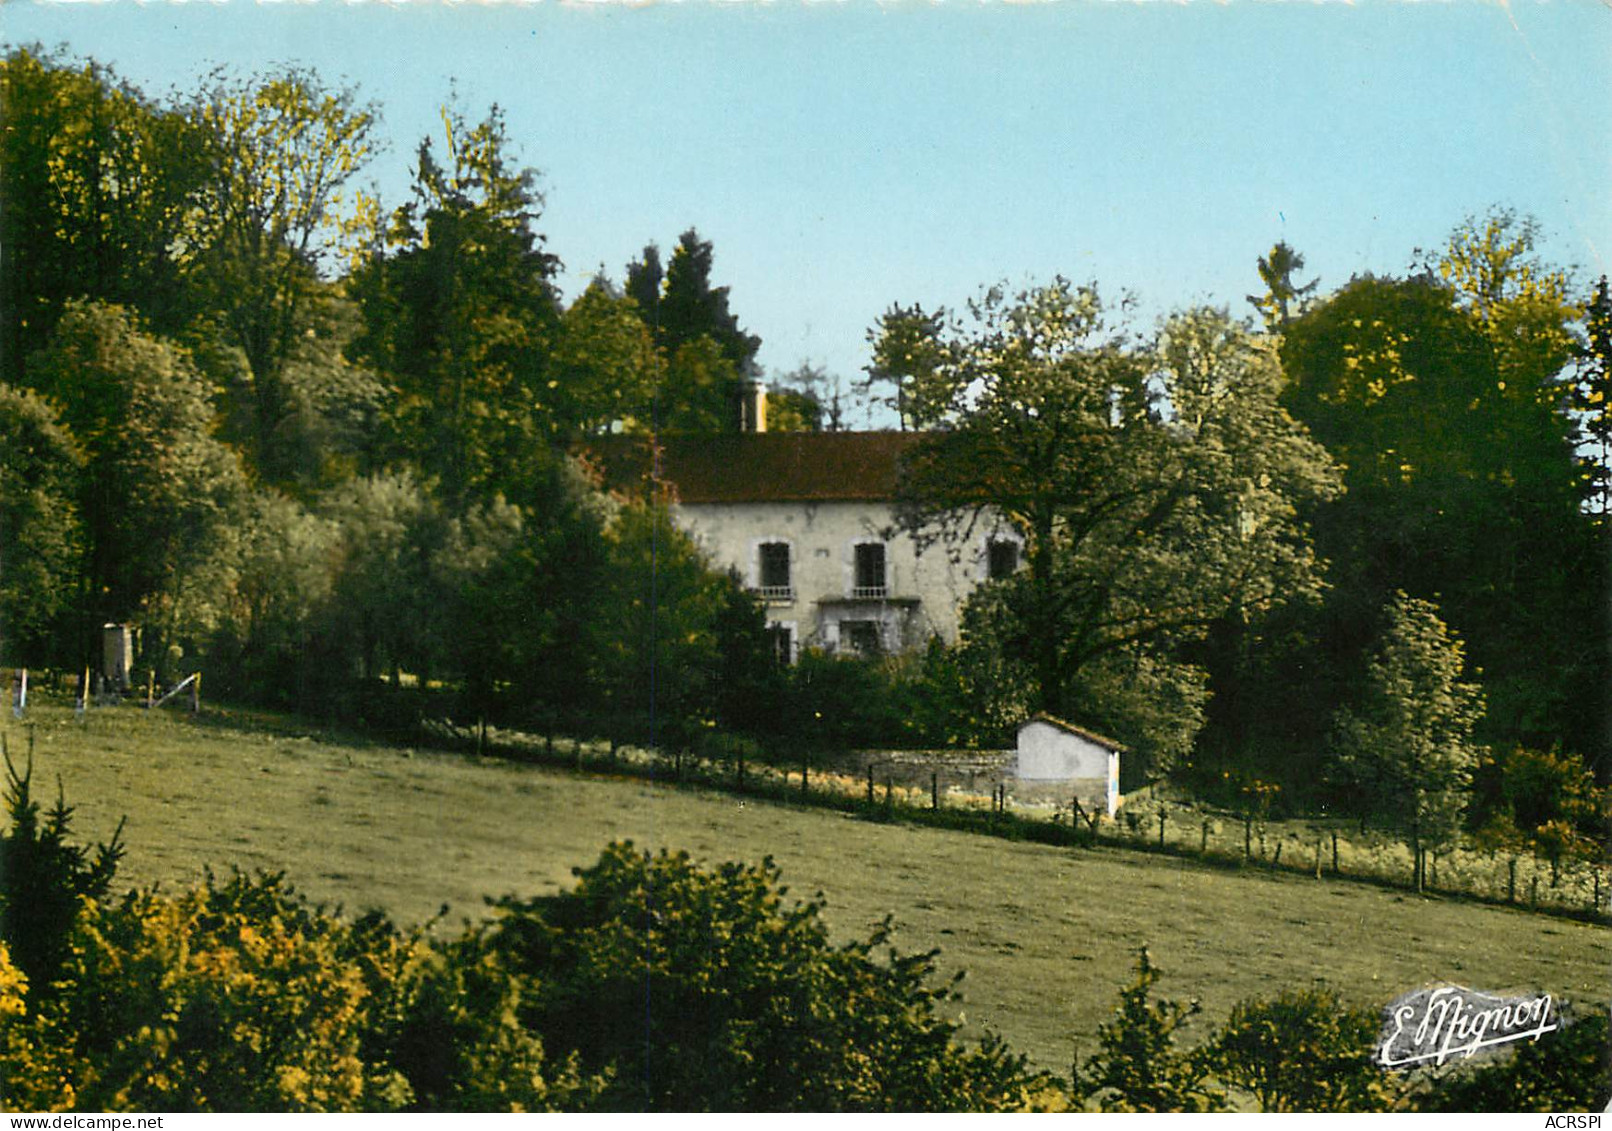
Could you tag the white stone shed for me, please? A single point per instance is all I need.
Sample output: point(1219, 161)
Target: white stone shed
point(1051, 750)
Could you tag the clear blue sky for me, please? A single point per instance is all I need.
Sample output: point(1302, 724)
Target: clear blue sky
point(845, 156)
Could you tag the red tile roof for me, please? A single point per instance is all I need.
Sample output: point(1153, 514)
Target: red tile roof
point(1079, 732)
point(760, 466)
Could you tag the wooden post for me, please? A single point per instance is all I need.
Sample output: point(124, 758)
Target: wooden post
point(889, 798)
point(83, 703)
point(805, 776)
point(741, 769)
point(1595, 901)
point(1511, 880)
point(934, 790)
point(1248, 838)
point(1203, 841)
point(870, 784)
point(1533, 889)
point(1318, 858)
point(1277, 859)
point(151, 687)
point(1335, 852)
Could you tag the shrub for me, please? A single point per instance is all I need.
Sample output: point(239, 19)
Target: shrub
point(44, 877)
point(1304, 1051)
point(1566, 1071)
point(1138, 1066)
point(702, 990)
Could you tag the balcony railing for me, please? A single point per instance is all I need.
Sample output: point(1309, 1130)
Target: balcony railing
point(775, 592)
point(870, 592)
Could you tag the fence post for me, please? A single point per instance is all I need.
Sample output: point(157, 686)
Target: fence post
point(1203, 839)
point(1161, 828)
point(1595, 901)
point(805, 775)
point(1248, 838)
point(889, 799)
point(1318, 858)
point(1276, 860)
point(741, 769)
point(151, 687)
point(1335, 852)
point(934, 790)
point(1511, 880)
point(870, 784)
point(1533, 889)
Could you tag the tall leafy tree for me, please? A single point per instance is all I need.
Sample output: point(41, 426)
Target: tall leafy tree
point(1445, 402)
point(160, 489)
point(708, 355)
point(102, 195)
point(1407, 751)
point(604, 363)
point(40, 464)
point(279, 211)
point(460, 312)
point(1156, 486)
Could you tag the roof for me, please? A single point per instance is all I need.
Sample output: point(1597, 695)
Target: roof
point(1079, 732)
point(751, 467)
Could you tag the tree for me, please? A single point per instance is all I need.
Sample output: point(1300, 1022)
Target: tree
point(102, 190)
point(284, 151)
point(40, 549)
point(1282, 291)
point(905, 345)
point(708, 355)
point(1445, 406)
point(160, 489)
point(1407, 749)
point(462, 314)
point(1592, 400)
point(605, 365)
point(1157, 488)
point(697, 990)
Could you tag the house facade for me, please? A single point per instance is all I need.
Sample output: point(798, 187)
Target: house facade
point(808, 522)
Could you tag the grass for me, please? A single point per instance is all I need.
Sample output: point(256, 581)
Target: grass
point(1046, 934)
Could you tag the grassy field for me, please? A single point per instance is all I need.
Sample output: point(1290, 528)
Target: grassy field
point(1047, 935)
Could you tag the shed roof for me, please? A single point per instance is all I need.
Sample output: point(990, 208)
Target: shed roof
point(1071, 728)
point(761, 466)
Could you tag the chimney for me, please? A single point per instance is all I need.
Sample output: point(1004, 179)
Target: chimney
point(753, 407)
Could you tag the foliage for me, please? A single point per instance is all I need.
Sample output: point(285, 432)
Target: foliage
point(605, 366)
point(283, 151)
point(43, 879)
point(460, 311)
point(1156, 488)
point(707, 354)
point(102, 188)
point(1138, 1066)
point(1407, 751)
point(1443, 396)
point(40, 463)
point(1566, 1071)
point(705, 991)
point(1304, 1050)
point(1284, 296)
point(160, 490)
point(1592, 399)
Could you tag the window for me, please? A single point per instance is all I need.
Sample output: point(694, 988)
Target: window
point(782, 639)
point(775, 583)
point(861, 637)
point(870, 581)
point(1002, 558)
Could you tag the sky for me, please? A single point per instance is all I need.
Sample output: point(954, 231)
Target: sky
point(843, 155)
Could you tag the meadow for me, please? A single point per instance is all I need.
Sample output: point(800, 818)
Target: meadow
point(1047, 935)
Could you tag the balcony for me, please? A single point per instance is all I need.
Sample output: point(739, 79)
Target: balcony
point(869, 592)
point(775, 594)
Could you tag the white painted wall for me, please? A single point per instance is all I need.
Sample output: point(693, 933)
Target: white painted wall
point(822, 538)
point(1051, 754)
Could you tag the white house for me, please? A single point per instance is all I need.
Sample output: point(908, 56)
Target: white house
point(1053, 751)
point(808, 521)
